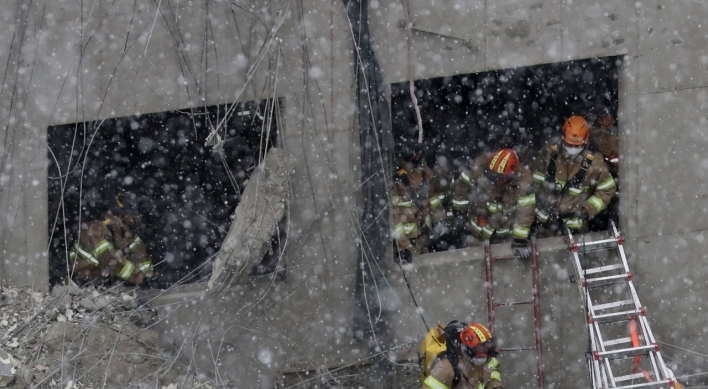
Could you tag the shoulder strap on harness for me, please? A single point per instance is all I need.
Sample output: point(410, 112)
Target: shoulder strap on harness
point(551, 172)
point(452, 357)
point(575, 181)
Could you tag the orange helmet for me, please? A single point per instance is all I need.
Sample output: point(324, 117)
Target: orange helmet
point(501, 165)
point(576, 131)
point(477, 340)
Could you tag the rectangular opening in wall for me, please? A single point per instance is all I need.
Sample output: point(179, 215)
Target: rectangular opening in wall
point(468, 115)
point(159, 166)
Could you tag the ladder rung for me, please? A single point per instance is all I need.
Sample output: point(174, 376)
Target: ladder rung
point(617, 341)
point(629, 377)
point(511, 303)
point(603, 269)
point(605, 281)
point(517, 348)
point(626, 352)
point(654, 384)
point(615, 304)
point(616, 316)
point(597, 245)
point(606, 274)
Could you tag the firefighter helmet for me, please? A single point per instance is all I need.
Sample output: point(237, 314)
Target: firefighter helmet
point(478, 340)
point(501, 165)
point(576, 131)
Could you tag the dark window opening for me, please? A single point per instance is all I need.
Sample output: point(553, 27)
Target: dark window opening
point(185, 191)
point(466, 115)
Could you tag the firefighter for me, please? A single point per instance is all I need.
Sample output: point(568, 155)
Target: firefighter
point(605, 142)
point(574, 183)
point(470, 360)
point(441, 232)
point(497, 196)
point(415, 199)
point(108, 249)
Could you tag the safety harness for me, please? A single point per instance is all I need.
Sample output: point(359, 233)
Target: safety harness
point(574, 182)
point(453, 358)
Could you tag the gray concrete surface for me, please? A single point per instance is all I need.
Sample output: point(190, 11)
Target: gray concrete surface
point(260, 209)
point(663, 112)
point(452, 285)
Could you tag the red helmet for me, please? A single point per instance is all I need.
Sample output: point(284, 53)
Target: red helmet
point(477, 340)
point(501, 165)
point(576, 131)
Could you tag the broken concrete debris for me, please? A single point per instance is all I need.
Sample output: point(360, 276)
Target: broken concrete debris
point(7, 368)
point(83, 338)
point(256, 218)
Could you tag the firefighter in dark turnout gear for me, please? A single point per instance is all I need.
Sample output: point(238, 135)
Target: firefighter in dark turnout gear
point(497, 196)
point(602, 140)
point(414, 200)
point(108, 249)
point(574, 183)
point(442, 235)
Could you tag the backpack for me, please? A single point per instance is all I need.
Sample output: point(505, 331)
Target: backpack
point(435, 347)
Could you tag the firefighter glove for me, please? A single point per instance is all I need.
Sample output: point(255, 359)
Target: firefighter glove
point(521, 248)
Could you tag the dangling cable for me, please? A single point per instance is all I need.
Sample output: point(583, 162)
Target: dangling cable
point(414, 99)
point(417, 308)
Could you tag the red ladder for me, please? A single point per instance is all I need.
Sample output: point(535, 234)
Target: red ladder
point(492, 305)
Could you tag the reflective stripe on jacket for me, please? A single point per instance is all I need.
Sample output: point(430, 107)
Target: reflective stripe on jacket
point(96, 254)
point(486, 376)
point(410, 202)
point(509, 208)
point(593, 193)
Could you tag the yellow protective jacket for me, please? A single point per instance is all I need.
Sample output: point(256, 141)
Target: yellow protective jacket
point(509, 208)
point(411, 202)
point(593, 193)
point(107, 248)
point(486, 376)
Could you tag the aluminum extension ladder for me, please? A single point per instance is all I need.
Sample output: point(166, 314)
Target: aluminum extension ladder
point(616, 360)
point(492, 305)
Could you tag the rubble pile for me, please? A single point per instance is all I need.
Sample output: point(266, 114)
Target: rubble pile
point(83, 338)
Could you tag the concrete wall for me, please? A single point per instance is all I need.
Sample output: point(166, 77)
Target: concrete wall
point(67, 64)
point(452, 285)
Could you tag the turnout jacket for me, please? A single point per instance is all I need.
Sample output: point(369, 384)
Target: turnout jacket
point(605, 143)
point(593, 192)
point(417, 199)
point(508, 208)
point(486, 376)
point(441, 184)
point(107, 248)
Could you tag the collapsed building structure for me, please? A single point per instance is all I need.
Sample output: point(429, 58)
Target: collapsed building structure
point(332, 64)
